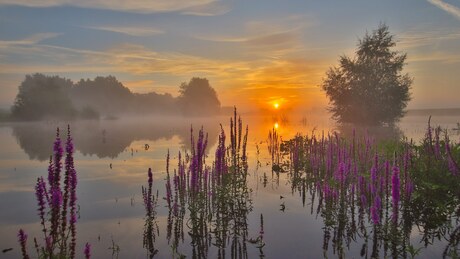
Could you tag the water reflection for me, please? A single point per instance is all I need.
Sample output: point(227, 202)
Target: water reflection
point(377, 133)
point(231, 223)
point(110, 138)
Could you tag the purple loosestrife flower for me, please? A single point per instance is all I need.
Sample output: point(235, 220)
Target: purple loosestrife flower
point(169, 191)
point(175, 208)
point(50, 172)
point(73, 211)
point(363, 200)
point(326, 190)
point(23, 242)
point(429, 137)
point(56, 202)
point(69, 167)
point(56, 197)
point(219, 161)
point(374, 174)
point(374, 184)
point(87, 251)
point(168, 182)
point(147, 194)
point(375, 210)
point(340, 173)
point(395, 193)
point(40, 193)
point(361, 184)
point(453, 166)
point(375, 215)
point(437, 146)
point(58, 152)
point(73, 190)
point(150, 175)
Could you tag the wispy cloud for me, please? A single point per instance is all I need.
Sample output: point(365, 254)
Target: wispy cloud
point(138, 59)
point(451, 9)
point(424, 37)
point(272, 38)
point(31, 40)
point(439, 56)
point(253, 77)
point(430, 45)
point(208, 9)
point(131, 31)
point(190, 7)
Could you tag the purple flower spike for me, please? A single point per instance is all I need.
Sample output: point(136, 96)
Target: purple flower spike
point(375, 210)
point(453, 167)
point(23, 241)
point(150, 176)
point(87, 251)
point(375, 215)
point(40, 193)
point(56, 196)
point(363, 200)
point(58, 152)
point(51, 172)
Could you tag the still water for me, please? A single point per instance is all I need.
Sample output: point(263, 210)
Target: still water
point(112, 158)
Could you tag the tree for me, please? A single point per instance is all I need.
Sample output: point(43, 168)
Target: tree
point(105, 95)
point(43, 96)
point(198, 98)
point(370, 88)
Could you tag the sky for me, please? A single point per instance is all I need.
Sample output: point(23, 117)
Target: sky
point(254, 52)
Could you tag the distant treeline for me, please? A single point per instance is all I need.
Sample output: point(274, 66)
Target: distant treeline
point(53, 97)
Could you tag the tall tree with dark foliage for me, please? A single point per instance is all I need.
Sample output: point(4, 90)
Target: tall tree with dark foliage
point(369, 88)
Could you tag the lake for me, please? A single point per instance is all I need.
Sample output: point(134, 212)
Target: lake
point(112, 159)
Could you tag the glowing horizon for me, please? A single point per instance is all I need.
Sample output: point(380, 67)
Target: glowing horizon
point(252, 54)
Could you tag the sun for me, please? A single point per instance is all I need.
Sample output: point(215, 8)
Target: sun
point(276, 125)
point(276, 105)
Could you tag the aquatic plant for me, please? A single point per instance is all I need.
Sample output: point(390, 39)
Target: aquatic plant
point(378, 193)
point(151, 230)
point(57, 207)
point(213, 200)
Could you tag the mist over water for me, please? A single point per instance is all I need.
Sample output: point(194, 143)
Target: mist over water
point(112, 158)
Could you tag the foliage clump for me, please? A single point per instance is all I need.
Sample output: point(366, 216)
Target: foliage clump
point(369, 88)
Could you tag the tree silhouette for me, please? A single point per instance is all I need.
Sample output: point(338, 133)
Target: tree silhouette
point(370, 88)
point(43, 96)
point(106, 95)
point(53, 97)
point(109, 96)
point(198, 98)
